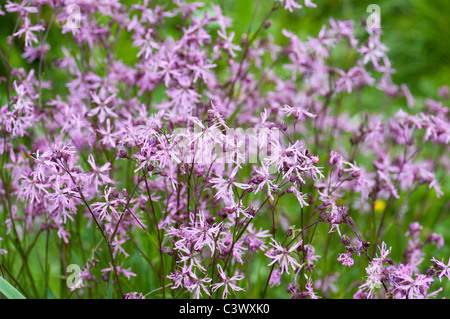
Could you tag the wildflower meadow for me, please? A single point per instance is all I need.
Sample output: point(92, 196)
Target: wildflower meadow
point(224, 149)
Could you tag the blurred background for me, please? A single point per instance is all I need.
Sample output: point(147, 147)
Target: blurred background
point(417, 32)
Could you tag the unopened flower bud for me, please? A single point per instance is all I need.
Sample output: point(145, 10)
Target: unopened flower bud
point(389, 295)
point(345, 240)
point(350, 221)
point(257, 179)
point(122, 154)
point(389, 261)
point(438, 267)
point(167, 250)
point(210, 219)
point(289, 232)
point(355, 139)
point(223, 214)
point(430, 272)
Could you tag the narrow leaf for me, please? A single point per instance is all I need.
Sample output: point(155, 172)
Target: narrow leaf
point(9, 291)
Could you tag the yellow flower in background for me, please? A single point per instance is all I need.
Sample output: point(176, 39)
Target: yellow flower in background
point(380, 205)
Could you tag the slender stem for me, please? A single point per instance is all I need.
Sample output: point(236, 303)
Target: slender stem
point(108, 243)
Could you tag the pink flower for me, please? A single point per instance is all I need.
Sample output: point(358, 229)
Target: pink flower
point(133, 295)
point(203, 233)
point(196, 285)
point(437, 239)
point(227, 283)
point(309, 3)
point(103, 209)
point(346, 259)
point(275, 278)
point(201, 70)
point(309, 288)
point(300, 196)
point(28, 30)
point(281, 255)
point(108, 137)
point(102, 109)
point(62, 200)
point(32, 189)
point(98, 175)
point(188, 256)
point(181, 277)
point(310, 257)
point(227, 44)
point(224, 186)
point(120, 271)
point(408, 95)
point(373, 51)
point(291, 4)
point(412, 288)
point(147, 45)
point(22, 8)
point(262, 178)
point(255, 240)
point(443, 269)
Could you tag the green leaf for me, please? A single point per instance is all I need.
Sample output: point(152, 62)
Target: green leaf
point(9, 291)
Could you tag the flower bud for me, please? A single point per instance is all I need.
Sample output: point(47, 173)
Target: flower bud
point(356, 174)
point(350, 221)
point(345, 240)
point(389, 295)
point(122, 154)
point(289, 232)
point(167, 250)
point(114, 193)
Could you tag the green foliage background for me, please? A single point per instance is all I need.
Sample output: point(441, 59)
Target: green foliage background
point(417, 33)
